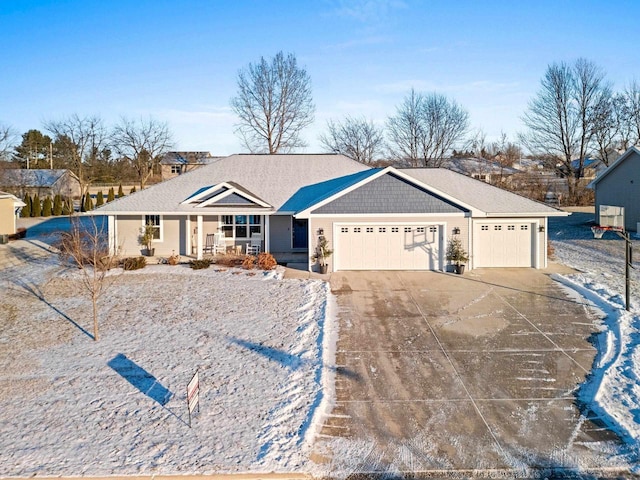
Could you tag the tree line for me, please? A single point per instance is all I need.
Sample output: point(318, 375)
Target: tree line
point(128, 151)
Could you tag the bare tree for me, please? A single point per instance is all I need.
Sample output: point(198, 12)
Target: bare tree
point(274, 104)
point(561, 118)
point(78, 138)
point(84, 246)
point(142, 143)
point(607, 128)
point(356, 138)
point(425, 128)
point(8, 138)
point(630, 116)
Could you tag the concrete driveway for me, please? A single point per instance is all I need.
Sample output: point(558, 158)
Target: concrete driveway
point(461, 373)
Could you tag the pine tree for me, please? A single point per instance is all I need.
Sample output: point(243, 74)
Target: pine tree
point(88, 203)
point(47, 207)
point(111, 196)
point(99, 199)
point(36, 206)
point(26, 210)
point(57, 205)
point(67, 207)
point(120, 191)
point(133, 190)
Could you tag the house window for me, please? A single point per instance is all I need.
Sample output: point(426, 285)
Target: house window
point(240, 226)
point(156, 221)
point(175, 169)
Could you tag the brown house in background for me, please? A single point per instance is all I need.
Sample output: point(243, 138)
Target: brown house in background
point(40, 181)
point(177, 163)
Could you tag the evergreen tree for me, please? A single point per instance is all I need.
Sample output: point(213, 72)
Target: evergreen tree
point(26, 210)
point(47, 207)
point(57, 205)
point(67, 207)
point(133, 190)
point(88, 203)
point(99, 199)
point(36, 206)
point(111, 196)
point(120, 191)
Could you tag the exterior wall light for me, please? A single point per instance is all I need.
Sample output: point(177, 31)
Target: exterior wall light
point(321, 231)
point(541, 228)
point(456, 231)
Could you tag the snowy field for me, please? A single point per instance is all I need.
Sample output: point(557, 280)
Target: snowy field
point(613, 389)
point(72, 406)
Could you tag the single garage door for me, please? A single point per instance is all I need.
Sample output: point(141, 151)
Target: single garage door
point(387, 247)
point(504, 245)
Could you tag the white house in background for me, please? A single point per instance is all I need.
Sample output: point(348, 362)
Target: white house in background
point(373, 219)
point(619, 185)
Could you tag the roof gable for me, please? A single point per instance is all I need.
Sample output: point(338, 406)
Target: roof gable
point(226, 194)
point(629, 153)
point(389, 193)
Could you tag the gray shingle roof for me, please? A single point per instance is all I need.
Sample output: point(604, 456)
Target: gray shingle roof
point(479, 195)
point(31, 178)
point(273, 178)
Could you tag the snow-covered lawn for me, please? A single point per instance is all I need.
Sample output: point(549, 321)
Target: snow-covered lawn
point(72, 406)
point(613, 388)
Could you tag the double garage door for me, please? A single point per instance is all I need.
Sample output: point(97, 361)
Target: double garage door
point(508, 244)
point(388, 247)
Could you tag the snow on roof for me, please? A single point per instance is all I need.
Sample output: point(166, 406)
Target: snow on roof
point(272, 178)
point(480, 195)
point(31, 178)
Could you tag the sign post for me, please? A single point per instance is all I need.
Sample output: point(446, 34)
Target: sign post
point(193, 395)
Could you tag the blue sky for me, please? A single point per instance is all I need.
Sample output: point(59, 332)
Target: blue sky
point(178, 60)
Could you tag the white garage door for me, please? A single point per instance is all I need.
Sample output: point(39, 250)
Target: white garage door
point(504, 245)
point(387, 247)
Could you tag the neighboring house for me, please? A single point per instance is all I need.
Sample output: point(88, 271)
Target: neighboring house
point(41, 181)
point(373, 219)
point(9, 208)
point(177, 163)
point(481, 169)
point(619, 185)
point(591, 167)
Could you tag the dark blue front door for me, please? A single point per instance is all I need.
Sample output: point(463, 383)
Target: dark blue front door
point(300, 233)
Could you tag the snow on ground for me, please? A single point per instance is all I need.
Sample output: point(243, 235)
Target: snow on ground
point(72, 406)
point(613, 388)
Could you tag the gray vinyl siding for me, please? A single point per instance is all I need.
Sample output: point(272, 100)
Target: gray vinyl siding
point(234, 199)
point(621, 187)
point(280, 234)
point(385, 195)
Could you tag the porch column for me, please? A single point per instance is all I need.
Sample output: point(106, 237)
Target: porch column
point(199, 238)
point(266, 233)
point(111, 234)
point(187, 232)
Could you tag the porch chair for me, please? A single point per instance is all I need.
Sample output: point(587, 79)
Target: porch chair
point(219, 245)
point(209, 243)
point(256, 244)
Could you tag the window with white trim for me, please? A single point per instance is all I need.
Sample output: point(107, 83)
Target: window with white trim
point(156, 221)
point(176, 169)
point(240, 226)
